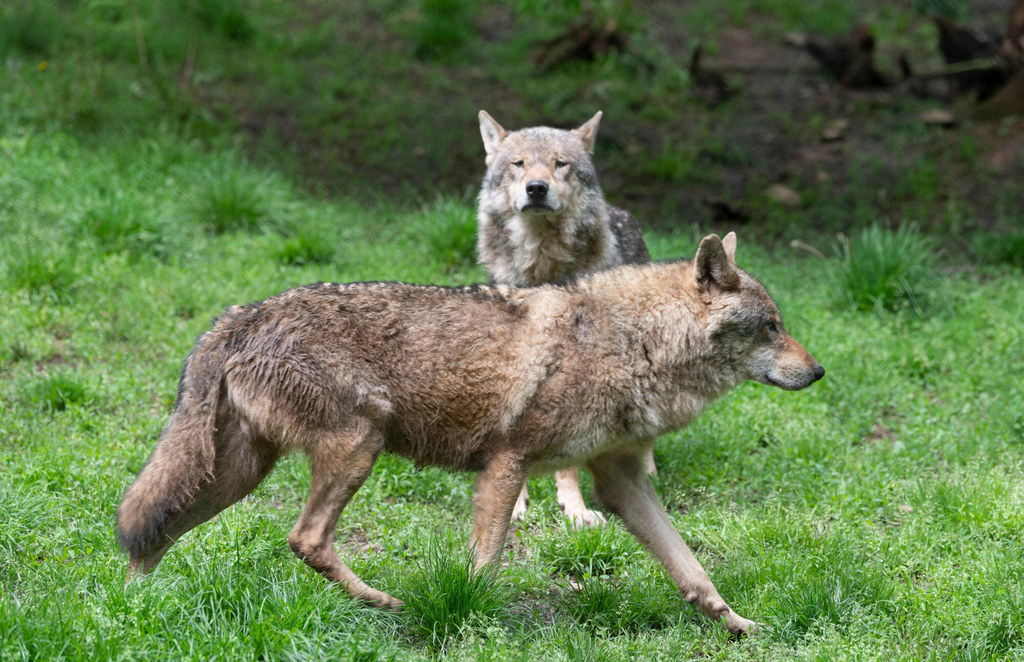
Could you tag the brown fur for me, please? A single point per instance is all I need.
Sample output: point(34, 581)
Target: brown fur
point(501, 381)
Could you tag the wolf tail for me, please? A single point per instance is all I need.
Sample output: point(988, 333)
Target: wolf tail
point(181, 464)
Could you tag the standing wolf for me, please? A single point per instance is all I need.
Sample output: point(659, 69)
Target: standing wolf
point(542, 217)
point(493, 379)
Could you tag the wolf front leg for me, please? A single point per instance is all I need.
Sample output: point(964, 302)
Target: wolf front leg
point(497, 488)
point(621, 484)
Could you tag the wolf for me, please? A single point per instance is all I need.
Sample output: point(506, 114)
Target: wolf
point(502, 381)
point(542, 217)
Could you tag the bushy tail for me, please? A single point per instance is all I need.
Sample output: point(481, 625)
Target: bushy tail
point(182, 461)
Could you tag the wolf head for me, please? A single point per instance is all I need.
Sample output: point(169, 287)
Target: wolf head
point(743, 323)
point(540, 171)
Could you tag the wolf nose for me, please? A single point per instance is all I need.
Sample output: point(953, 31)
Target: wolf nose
point(819, 372)
point(536, 188)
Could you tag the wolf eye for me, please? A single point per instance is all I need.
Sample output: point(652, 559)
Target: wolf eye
point(773, 328)
point(518, 164)
point(560, 164)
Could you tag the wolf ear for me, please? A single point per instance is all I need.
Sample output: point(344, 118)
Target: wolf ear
point(589, 131)
point(492, 133)
point(711, 265)
point(729, 244)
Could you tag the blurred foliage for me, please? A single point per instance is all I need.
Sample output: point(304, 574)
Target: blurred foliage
point(957, 10)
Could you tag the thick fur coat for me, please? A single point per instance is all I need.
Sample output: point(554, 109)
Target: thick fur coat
point(497, 380)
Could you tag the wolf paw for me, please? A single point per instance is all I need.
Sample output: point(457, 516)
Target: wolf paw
point(381, 600)
point(739, 626)
point(585, 517)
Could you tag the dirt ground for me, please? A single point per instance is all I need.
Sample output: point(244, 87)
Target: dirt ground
point(791, 148)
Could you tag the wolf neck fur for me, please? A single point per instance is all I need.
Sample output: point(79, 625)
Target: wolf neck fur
point(543, 248)
point(671, 371)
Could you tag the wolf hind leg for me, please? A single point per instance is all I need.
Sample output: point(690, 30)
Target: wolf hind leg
point(649, 465)
point(622, 485)
point(241, 463)
point(519, 511)
point(570, 499)
point(341, 461)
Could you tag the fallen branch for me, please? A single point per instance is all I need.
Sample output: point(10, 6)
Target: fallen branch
point(978, 64)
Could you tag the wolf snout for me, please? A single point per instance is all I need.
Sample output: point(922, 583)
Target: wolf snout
point(818, 371)
point(536, 189)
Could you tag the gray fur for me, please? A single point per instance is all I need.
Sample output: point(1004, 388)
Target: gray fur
point(572, 231)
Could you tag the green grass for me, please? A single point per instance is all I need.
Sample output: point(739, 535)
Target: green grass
point(227, 194)
point(1000, 249)
point(878, 510)
point(446, 597)
point(882, 269)
point(57, 392)
point(588, 552)
point(635, 605)
point(450, 231)
point(876, 515)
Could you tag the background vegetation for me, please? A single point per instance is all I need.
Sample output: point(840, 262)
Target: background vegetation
point(159, 161)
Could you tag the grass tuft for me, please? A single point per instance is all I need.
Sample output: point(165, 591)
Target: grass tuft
point(882, 269)
point(1000, 249)
point(443, 28)
point(598, 551)
point(58, 392)
point(229, 196)
point(13, 350)
point(43, 270)
point(121, 223)
point(227, 17)
point(1004, 633)
point(638, 605)
point(307, 246)
point(837, 588)
point(449, 226)
point(445, 597)
point(583, 646)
